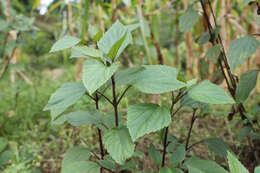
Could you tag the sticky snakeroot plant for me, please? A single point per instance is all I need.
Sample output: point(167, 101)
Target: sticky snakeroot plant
point(117, 140)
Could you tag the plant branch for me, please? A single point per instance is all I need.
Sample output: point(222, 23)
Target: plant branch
point(165, 146)
point(190, 129)
point(120, 98)
point(99, 134)
point(100, 93)
point(114, 103)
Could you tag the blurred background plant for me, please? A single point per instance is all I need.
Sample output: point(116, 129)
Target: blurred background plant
point(29, 74)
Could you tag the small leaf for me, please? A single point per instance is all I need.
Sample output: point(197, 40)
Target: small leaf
point(67, 95)
point(114, 49)
point(204, 38)
point(112, 37)
point(146, 118)
point(176, 170)
point(218, 146)
point(65, 43)
point(197, 165)
point(178, 155)
point(94, 32)
point(246, 84)
point(155, 155)
point(207, 92)
point(234, 165)
point(95, 74)
point(240, 49)
point(213, 53)
point(188, 20)
point(157, 79)
point(119, 144)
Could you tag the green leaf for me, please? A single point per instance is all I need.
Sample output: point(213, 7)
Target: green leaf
point(80, 118)
point(95, 74)
point(213, 53)
point(73, 157)
point(113, 40)
point(119, 145)
point(207, 92)
point(204, 38)
point(178, 155)
point(155, 155)
point(234, 165)
point(157, 79)
point(196, 165)
point(257, 169)
point(113, 51)
point(107, 164)
point(127, 76)
point(82, 167)
point(240, 49)
point(133, 27)
point(246, 84)
point(190, 103)
point(146, 118)
point(188, 20)
point(67, 95)
point(84, 52)
point(94, 32)
point(165, 169)
point(3, 143)
point(218, 146)
point(65, 43)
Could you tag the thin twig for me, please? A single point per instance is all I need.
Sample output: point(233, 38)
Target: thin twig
point(190, 129)
point(105, 97)
point(120, 98)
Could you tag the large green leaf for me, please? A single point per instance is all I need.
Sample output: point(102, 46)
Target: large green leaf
point(207, 92)
point(234, 164)
point(146, 118)
point(80, 118)
point(240, 49)
point(67, 95)
point(178, 155)
point(188, 20)
point(115, 40)
point(155, 155)
point(64, 43)
point(218, 146)
point(127, 76)
point(82, 167)
point(246, 84)
point(73, 156)
point(119, 144)
point(156, 79)
point(196, 165)
point(95, 74)
point(257, 169)
point(84, 52)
